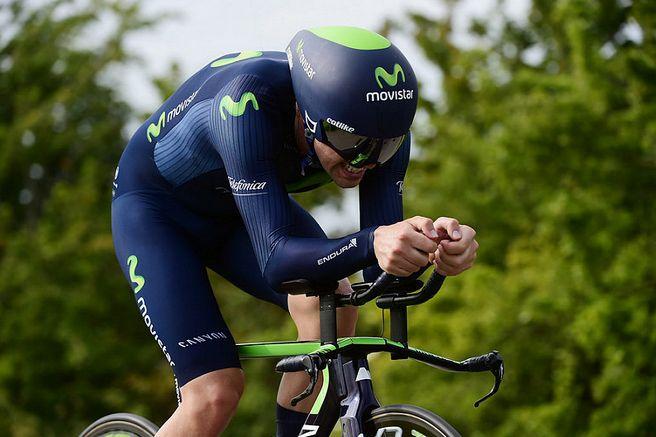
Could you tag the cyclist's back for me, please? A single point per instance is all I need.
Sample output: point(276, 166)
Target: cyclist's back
point(172, 151)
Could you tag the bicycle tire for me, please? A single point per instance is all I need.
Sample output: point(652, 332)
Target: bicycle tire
point(407, 421)
point(121, 425)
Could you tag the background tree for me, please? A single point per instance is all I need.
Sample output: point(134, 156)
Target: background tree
point(544, 141)
point(72, 346)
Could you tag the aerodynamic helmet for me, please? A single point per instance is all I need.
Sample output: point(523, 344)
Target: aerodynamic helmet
point(355, 91)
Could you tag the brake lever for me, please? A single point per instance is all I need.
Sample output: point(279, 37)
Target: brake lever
point(496, 361)
point(312, 368)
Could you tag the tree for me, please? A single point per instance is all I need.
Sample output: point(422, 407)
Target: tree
point(544, 142)
point(72, 345)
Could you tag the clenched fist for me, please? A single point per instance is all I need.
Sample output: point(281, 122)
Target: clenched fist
point(456, 253)
point(404, 247)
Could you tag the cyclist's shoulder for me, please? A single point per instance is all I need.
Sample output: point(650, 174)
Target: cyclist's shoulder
point(265, 70)
point(262, 72)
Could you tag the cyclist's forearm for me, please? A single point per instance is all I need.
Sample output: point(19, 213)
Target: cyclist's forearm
point(319, 260)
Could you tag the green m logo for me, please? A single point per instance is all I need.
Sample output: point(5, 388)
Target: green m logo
point(154, 129)
point(390, 79)
point(138, 280)
point(299, 46)
point(237, 109)
point(240, 57)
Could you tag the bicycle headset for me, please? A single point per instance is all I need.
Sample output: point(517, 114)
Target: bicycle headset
point(355, 91)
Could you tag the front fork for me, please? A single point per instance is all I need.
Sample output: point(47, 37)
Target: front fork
point(346, 394)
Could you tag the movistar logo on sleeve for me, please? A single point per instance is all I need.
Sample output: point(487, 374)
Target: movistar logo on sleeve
point(138, 280)
point(240, 57)
point(154, 129)
point(390, 79)
point(237, 109)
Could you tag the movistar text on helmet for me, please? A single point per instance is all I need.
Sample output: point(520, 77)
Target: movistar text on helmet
point(340, 125)
point(307, 67)
point(382, 96)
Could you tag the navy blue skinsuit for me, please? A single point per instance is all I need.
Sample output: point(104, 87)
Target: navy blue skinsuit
point(204, 182)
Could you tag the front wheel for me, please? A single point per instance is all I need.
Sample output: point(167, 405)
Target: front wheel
point(120, 425)
point(407, 421)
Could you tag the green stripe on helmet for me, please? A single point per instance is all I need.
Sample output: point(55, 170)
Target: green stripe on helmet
point(352, 37)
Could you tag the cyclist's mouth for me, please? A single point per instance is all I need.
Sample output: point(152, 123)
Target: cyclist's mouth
point(354, 170)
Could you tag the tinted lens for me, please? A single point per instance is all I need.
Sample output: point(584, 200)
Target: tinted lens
point(358, 149)
point(342, 140)
point(389, 148)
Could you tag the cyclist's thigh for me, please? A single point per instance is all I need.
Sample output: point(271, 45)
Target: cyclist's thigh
point(235, 260)
point(171, 287)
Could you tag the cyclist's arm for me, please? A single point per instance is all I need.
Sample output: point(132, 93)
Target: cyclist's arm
point(381, 196)
point(248, 144)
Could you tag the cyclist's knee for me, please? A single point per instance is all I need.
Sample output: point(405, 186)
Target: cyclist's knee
point(214, 396)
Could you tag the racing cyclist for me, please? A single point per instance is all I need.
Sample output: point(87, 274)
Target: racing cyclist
point(205, 182)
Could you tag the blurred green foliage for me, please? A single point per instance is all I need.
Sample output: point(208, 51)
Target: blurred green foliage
point(543, 139)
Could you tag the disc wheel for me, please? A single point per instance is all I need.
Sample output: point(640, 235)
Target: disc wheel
point(407, 421)
point(121, 425)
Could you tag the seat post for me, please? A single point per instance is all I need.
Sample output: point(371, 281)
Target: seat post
point(328, 318)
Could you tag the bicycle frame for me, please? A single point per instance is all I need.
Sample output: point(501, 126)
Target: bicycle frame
point(347, 391)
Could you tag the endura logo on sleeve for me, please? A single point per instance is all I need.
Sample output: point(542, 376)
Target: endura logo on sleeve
point(154, 130)
point(335, 254)
point(243, 185)
point(242, 56)
point(237, 109)
point(400, 185)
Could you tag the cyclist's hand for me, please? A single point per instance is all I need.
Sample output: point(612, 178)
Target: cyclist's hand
point(404, 247)
point(457, 253)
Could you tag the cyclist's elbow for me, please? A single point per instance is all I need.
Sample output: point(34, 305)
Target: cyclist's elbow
point(273, 276)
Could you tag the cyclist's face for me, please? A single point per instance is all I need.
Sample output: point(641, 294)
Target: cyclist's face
point(343, 174)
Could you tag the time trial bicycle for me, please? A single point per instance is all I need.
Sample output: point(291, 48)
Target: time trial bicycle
point(346, 392)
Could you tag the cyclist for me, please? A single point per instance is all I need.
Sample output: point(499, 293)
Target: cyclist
point(205, 183)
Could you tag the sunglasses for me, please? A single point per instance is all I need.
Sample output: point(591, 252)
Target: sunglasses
point(359, 150)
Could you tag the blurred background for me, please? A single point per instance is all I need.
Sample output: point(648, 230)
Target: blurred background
point(537, 127)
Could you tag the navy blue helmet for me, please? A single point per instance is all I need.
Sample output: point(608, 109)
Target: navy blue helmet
point(355, 91)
